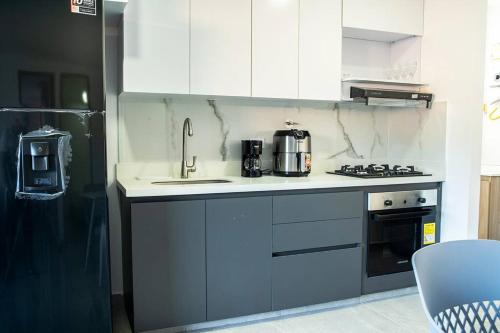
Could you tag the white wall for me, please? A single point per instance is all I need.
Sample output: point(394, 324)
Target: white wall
point(491, 128)
point(453, 63)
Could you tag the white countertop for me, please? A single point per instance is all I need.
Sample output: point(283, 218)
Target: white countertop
point(142, 187)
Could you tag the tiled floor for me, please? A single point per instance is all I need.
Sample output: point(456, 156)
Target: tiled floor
point(402, 314)
point(396, 315)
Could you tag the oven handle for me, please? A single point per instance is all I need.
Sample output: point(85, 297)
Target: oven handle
point(395, 216)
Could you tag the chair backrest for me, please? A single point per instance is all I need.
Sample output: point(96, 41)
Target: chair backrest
point(456, 273)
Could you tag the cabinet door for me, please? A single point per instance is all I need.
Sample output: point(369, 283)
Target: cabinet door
point(275, 48)
point(221, 62)
point(484, 207)
point(404, 17)
point(320, 49)
point(239, 254)
point(156, 46)
point(494, 209)
point(168, 255)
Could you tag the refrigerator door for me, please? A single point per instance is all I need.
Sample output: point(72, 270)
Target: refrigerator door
point(54, 262)
point(51, 54)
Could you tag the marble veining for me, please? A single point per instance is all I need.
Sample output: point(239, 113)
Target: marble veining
point(350, 151)
point(224, 129)
point(342, 133)
point(377, 137)
point(173, 124)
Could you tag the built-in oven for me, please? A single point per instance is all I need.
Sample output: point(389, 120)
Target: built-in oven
point(399, 223)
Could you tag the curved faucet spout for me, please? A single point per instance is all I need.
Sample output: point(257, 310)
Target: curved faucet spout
point(187, 129)
point(188, 124)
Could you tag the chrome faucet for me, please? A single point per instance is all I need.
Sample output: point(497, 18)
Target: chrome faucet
point(187, 129)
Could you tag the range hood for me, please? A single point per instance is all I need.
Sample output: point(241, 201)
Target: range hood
point(385, 97)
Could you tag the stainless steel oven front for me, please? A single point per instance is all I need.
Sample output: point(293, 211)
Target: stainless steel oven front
point(399, 223)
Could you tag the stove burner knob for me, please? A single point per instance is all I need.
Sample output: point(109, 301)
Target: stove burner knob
point(388, 203)
point(421, 200)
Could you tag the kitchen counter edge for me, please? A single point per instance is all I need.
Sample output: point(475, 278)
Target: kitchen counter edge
point(135, 188)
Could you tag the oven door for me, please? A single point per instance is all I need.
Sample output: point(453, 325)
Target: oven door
point(393, 237)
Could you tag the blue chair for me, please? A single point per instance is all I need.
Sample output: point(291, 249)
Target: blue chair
point(459, 284)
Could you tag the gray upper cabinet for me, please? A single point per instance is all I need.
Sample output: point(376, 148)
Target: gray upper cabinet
point(168, 255)
point(317, 207)
point(239, 254)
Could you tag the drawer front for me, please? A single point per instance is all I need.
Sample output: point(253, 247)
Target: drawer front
point(310, 235)
point(316, 207)
point(313, 278)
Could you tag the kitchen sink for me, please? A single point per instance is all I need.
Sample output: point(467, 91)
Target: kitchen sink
point(192, 182)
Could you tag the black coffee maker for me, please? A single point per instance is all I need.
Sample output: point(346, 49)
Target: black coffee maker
point(251, 165)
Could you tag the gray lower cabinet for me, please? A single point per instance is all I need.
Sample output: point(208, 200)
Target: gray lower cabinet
point(317, 207)
point(239, 254)
point(168, 255)
point(310, 235)
point(316, 277)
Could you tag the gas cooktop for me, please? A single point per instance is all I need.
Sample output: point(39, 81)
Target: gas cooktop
point(378, 171)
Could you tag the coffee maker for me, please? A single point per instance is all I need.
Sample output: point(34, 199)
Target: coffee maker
point(251, 164)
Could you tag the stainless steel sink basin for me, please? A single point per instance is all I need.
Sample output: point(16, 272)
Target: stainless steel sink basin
point(192, 182)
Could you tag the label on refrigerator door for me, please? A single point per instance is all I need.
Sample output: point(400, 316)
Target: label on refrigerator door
point(429, 233)
point(86, 7)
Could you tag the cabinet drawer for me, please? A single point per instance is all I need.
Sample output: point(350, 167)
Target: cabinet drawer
point(317, 207)
point(309, 235)
point(314, 278)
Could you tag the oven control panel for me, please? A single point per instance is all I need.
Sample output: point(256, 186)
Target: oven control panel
point(402, 199)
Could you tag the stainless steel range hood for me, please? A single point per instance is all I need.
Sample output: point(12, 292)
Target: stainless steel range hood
point(384, 97)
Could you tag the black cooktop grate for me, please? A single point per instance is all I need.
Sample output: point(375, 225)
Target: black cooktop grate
point(374, 171)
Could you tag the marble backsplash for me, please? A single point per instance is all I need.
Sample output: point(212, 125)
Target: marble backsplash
point(150, 133)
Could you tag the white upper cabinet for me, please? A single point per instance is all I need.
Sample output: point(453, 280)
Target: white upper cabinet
point(289, 49)
point(221, 47)
point(320, 49)
point(383, 20)
point(275, 48)
point(156, 46)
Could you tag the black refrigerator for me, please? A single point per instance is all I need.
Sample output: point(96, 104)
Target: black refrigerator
point(54, 247)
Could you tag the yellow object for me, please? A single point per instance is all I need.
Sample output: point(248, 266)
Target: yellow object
point(429, 233)
point(493, 116)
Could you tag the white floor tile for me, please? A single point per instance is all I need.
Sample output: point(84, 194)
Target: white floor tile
point(397, 315)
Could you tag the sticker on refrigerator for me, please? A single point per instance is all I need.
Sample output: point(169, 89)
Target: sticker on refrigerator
point(429, 233)
point(86, 7)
